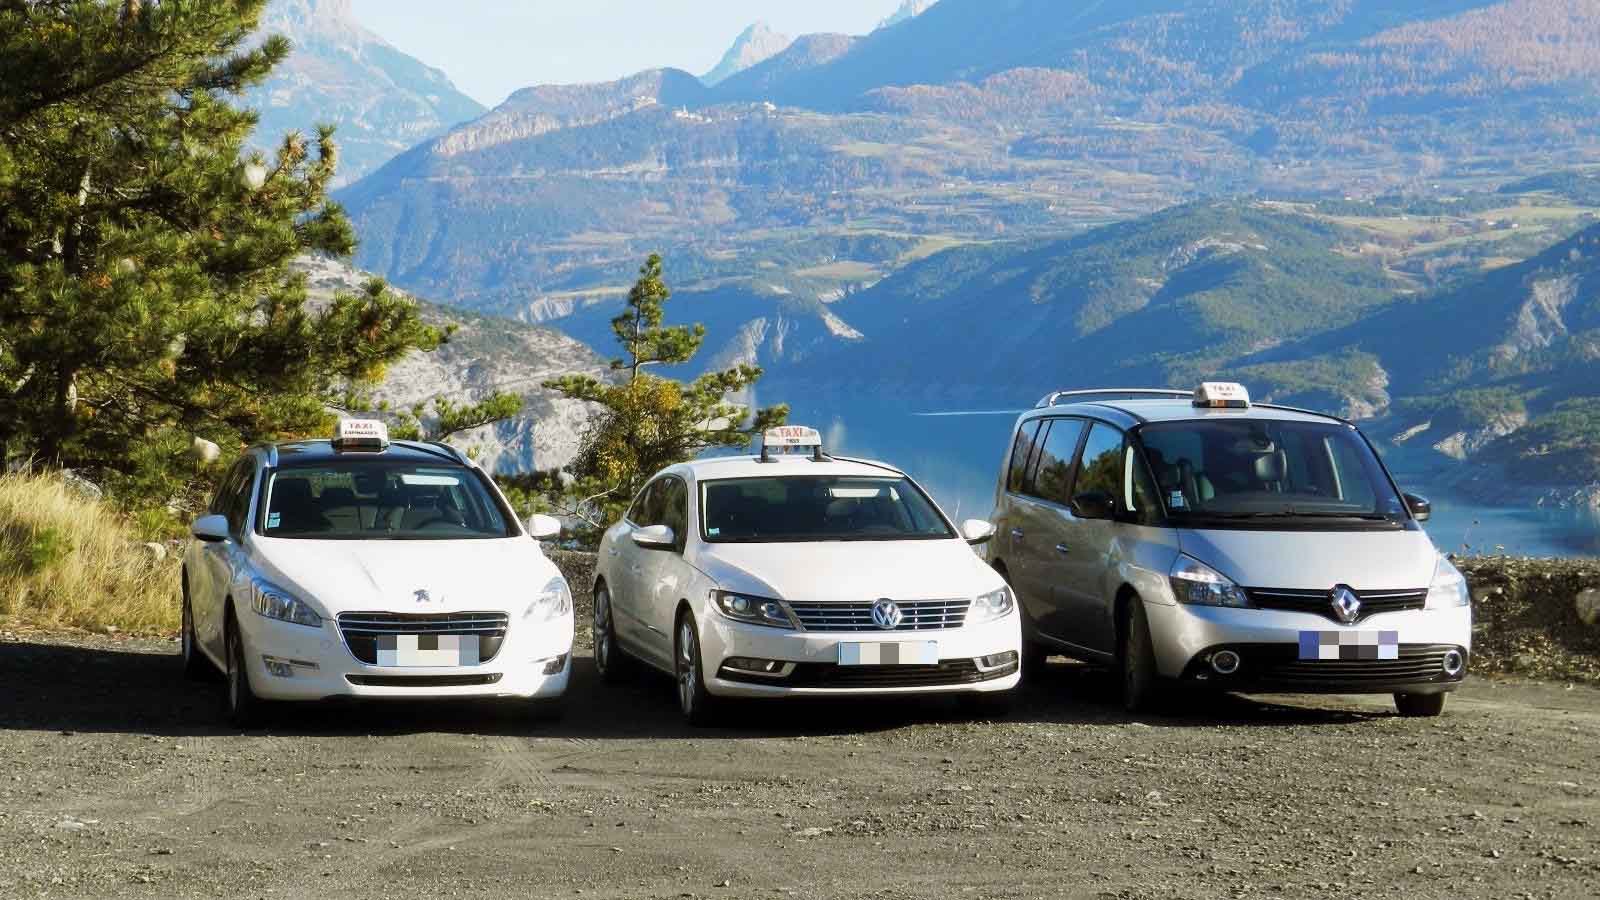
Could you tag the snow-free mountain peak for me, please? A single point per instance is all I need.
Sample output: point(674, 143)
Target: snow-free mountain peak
point(754, 45)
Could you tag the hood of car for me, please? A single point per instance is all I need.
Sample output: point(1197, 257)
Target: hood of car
point(409, 576)
point(1317, 560)
point(850, 570)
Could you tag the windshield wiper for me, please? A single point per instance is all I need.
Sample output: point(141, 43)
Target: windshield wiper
point(1295, 514)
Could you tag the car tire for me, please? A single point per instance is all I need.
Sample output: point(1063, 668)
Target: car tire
point(610, 660)
point(195, 665)
point(1417, 706)
point(240, 705)
point(1140, 681)
point(992, 706)
point(699, 707)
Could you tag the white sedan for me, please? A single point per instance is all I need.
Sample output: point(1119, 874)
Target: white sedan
point(360, 568)
point(801, 575)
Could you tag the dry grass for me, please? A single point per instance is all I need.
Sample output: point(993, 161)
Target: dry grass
point(70, 561)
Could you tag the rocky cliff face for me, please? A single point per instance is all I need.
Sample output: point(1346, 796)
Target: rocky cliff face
point(486, 355)
point(382, 100)
point(753, 46)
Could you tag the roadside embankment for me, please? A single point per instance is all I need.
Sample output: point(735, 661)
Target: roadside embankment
point(1535, 617)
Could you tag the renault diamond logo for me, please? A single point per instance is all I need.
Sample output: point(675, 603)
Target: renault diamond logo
point(887, 615)
point(1346, 605)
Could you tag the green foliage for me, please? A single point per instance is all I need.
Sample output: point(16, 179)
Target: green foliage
point(45, 548)
point(145, 294)
point(646, 422)
point(1561, 446)
point(442, 418)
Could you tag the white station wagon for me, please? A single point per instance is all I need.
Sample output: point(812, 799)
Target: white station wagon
point(362, 568)
point(800, 574)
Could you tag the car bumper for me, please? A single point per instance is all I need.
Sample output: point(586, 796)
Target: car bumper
point(810, 661)
point(293, 662)
point(1267, 643)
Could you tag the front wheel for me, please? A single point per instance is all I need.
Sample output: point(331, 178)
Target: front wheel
point(609, 660)
point(240, 705)
point(699, 707)
point(1414, 706)
point(1141, 683)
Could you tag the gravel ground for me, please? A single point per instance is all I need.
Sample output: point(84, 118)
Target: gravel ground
point(116, 780)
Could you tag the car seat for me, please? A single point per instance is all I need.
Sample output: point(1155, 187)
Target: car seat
point(295, 508)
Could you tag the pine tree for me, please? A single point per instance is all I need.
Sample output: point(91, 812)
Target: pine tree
point(145, 289)
point(648, 422)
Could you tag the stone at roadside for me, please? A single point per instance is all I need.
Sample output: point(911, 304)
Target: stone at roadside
point(1587, 604)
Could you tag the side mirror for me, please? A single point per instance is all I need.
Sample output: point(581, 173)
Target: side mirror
point(544, 528)
point(212, 529)
point(1420, 508)
point(977, 531)
point(1094, 505)
point(655, 537)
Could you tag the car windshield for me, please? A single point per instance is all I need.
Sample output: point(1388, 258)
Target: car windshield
point(1246, 470)
point(818, 508)
point(374, 501)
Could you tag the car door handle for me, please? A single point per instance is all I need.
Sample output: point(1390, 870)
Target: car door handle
point(1063, 549)
point(1016, 534)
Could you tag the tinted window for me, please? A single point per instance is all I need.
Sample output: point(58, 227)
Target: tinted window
point(1102, 467)
point(381, 501)
point(646, 509)
point(1253, 468)
point(818, 508)
point(227, 487)
point(1052, 472)
point(1021, 453)
point(238, 502)
point(675, 509)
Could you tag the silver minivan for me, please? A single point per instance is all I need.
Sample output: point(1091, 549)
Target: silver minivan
point(1204, 539)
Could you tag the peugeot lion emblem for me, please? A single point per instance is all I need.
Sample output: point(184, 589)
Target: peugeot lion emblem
point(1346, 605)
point(422, 596)
point(886, 614)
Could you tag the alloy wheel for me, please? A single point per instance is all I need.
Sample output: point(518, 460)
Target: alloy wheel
point(688, 667)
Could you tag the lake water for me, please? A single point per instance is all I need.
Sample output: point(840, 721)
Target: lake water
point(956, 455)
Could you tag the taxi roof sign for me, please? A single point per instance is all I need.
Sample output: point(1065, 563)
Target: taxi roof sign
point(1222, 395)
point(790, 436)
point(361, 434)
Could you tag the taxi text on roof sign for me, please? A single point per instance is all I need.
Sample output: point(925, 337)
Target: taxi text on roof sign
point(1222, 395)
point(362, 434)
point(791, 436)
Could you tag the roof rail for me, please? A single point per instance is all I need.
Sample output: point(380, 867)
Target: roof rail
point(1114, 394)
point(454, 451)
point(1309, 412)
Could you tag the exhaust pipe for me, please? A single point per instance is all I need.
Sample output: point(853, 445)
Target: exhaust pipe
point(1225, 662)
point(1454, 662)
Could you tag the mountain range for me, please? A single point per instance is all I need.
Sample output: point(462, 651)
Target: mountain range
point(382, 100)
point(996, 198)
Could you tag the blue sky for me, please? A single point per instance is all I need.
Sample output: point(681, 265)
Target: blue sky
point(490, 48)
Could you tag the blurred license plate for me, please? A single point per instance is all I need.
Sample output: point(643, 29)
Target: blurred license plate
point(428, 650)
point(890, 653)
point(1349, 645)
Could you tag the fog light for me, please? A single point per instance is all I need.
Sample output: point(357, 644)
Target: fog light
point(555, 664)
point(997, 661)
point(279, 667)
point(1454, 662)
point(1225, 662)
point(755, 666)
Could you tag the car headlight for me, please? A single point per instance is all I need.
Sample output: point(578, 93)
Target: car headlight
point(990, 606)
point(752, 610)
point(1198, 584)
point(552, 602)
point(274, 602)
point(1449, 587)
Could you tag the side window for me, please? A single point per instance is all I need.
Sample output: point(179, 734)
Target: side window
point(675, 509)
point(1052, 473)
point(238, 502)
point(1101, 469)
point(226, 488)
point(1141, 499)
point(646, 509)
point(1021, 452)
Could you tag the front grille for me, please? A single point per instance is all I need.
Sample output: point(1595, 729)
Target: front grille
point(361, 630)
point(1320, 602)
point(1280, 664)
point(828, 675)
point(919, 615)
point(423, 681)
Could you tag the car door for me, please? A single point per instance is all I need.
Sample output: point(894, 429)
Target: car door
point(1036, 527)
point(1087, 606)
point(664, 575)
point(222, 560)
point(628, 598)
